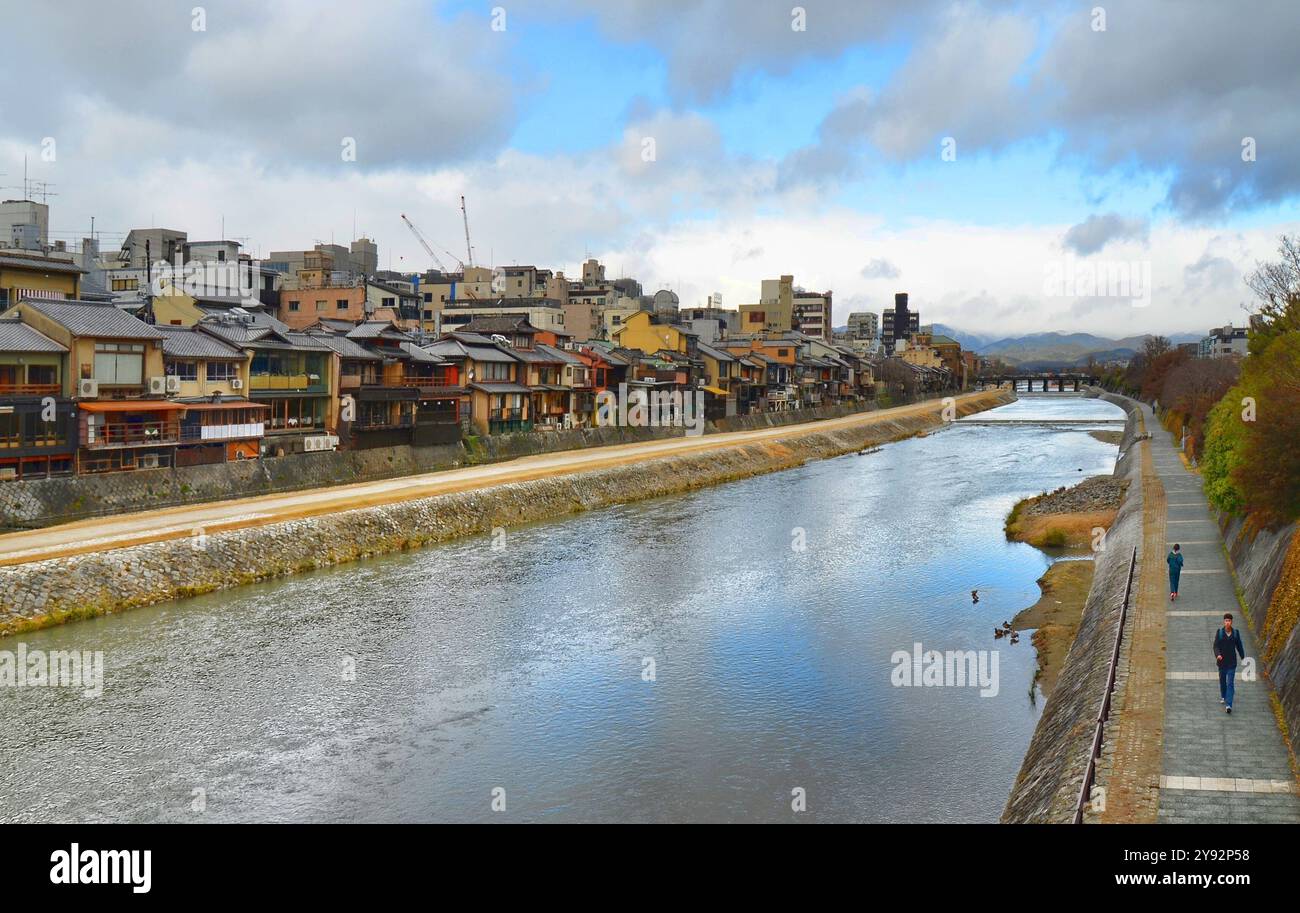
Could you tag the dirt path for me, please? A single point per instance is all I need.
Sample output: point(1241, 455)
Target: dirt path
point(180, 522)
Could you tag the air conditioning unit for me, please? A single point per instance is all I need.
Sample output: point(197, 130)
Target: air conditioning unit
point(236, 383)
point(157, 386)
point(173, 384)
point(320, 442)
point(88, 389)
point(149, 461)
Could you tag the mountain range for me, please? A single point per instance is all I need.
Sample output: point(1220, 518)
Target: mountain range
point(1044, 350)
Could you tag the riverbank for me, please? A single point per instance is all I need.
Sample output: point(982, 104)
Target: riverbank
point(1067, 517)
point(1051, 776)
point(1055, 618)
point(257, 539)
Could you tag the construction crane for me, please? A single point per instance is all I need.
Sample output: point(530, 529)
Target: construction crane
point(469, 251)
point(428, 249)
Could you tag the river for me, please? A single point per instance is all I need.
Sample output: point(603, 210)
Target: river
point(680, 659)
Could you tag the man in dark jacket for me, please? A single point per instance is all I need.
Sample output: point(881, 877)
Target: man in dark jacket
point(1227, 647)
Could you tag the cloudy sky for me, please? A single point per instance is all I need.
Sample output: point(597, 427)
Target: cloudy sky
point(963, 152)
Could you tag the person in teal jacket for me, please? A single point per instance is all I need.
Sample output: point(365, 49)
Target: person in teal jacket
point(1175, 562)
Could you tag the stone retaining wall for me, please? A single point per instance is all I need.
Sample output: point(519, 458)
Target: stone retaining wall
point(1258, 562)
point(47, 592)
point(1047, 788)
point(47, 502)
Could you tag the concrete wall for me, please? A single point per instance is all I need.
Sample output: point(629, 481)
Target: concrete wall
point(46, 502)
point(48, 592)
point(1047, 787)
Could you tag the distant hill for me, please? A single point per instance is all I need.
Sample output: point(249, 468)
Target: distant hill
point(1043, 350)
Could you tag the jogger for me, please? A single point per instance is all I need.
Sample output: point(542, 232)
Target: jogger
point(1227, 647)
point(1175, 561)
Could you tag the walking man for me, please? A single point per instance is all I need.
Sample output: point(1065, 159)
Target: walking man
point(1175, 561)
point(1227, 647)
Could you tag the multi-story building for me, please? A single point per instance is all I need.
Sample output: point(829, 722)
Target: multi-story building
point(774, 312)
point(812, 314)
point(28, 275)
point(290, 373)
point(899, 322)
point(1225, 341)
point(210, 377)
point(24, 225)
point(542, 313)
point(864, 325)
point(38, 431)
point(492, 379)
point(116, 377)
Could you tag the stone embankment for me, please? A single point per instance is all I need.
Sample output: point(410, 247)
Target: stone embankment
point(1051, 776)
point(46, 592)
point(1266, 565)
point(36, 503)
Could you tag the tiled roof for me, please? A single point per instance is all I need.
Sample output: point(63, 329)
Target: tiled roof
point(346, 347)
point(93, 318)
point(16, 336)
point(186, 342)
point(560, 354)
point(40, 263)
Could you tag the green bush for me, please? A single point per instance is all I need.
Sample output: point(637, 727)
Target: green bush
point(1225, 439)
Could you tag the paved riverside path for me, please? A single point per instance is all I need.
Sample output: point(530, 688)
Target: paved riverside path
point(120, 531)
point(1215, 767)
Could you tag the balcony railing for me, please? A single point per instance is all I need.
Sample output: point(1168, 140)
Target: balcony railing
point(135, 434)
point(30, 389)
point(285, 381)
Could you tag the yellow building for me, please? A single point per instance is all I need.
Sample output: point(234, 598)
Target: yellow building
point(25, 275)
point(638, 332)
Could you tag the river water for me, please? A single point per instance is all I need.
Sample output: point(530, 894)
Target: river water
point(681, 659)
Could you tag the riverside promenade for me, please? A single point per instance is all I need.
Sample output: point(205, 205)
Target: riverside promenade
point(1215, 767)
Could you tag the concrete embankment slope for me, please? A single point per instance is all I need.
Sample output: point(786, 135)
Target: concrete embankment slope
point(95, 567)
point(1051, 776)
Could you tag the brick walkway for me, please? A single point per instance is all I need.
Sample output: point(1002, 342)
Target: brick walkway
point(1134, 735)
point(1215, 767)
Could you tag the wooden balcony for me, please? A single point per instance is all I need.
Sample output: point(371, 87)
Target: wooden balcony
point(30, 389)
point(135, 434)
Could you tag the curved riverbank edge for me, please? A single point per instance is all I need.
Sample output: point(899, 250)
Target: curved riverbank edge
point(1047, 787)
point(43, 593)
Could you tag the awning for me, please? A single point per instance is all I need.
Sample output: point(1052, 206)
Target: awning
point(717, 391)
point(132, 405)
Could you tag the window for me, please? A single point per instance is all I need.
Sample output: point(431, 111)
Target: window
point(42, 374)
point(221, 256)
point(388, 302)
point(321, 304)
point(185, 370)
point(125, 285)
point(496, 370)
point(428, 296)
point(341, 304)
point(221, 371)
point(119, 363)
point(293, 305)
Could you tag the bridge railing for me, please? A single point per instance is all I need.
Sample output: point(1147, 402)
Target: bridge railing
point(1090, 773)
